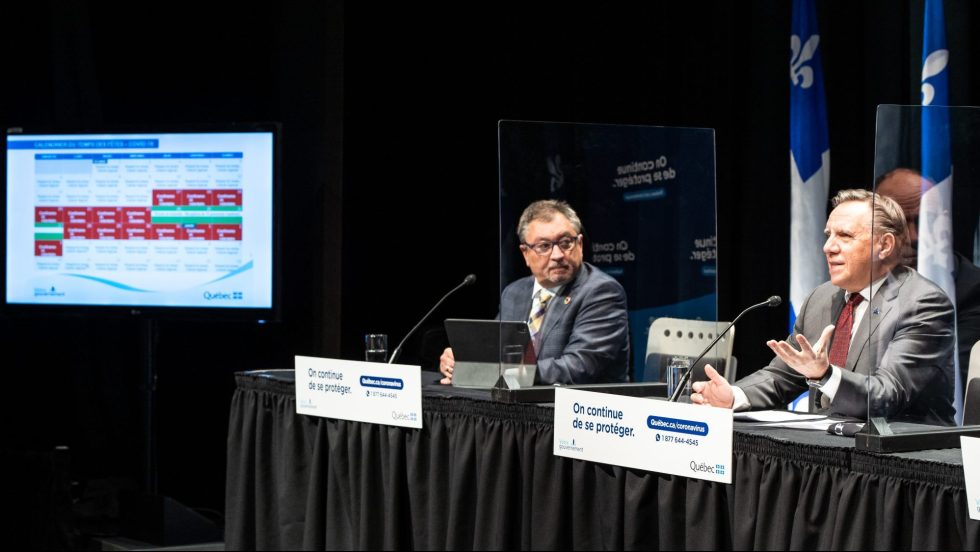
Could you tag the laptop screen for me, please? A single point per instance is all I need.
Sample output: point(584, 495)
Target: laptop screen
point(485, 340)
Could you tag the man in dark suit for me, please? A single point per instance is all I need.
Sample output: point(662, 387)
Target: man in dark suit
point(904, 370)
point(905, 187)
point(575, 312)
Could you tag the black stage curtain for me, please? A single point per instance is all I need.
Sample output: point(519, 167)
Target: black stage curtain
point(481, 475)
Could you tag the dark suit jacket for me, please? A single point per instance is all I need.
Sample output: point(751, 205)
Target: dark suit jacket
point(910, 321)
point(966, 277)
point(585, 336)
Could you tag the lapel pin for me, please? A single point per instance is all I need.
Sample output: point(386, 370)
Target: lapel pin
point(568, 299)
point(876, 311)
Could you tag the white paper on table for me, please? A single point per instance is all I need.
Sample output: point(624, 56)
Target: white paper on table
point(788, 420)
point(774, 416)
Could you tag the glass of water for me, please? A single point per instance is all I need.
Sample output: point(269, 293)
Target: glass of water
point(679, 365)
point(376, 347)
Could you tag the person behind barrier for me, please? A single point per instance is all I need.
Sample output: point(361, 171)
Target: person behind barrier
point(905, 186)
point(575, 312)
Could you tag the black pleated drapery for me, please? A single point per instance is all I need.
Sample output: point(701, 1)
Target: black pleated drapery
point(481, 475)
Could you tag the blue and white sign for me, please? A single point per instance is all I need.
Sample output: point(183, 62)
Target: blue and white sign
point(971, 473)
point(654, 435)
point(373, 392)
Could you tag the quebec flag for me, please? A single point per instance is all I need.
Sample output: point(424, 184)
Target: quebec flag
point(809, 157)
point(935, 219)
point(809, 164)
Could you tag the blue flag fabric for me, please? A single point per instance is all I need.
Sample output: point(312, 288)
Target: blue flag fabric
point(935, 251)
point(809, 156)
point(809, 146)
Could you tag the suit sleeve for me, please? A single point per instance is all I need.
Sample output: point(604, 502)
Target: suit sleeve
point(597, 343)
point(777, 384)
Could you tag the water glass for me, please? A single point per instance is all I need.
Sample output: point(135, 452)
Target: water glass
point(679, 365)
point(376, 347)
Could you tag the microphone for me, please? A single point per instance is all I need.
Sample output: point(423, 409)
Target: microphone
point(773, 301)
point(470, 278)
point(845, 429)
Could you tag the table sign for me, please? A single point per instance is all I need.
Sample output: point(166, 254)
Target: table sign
point(654, 435)
point(373, 392)
point(971, 473)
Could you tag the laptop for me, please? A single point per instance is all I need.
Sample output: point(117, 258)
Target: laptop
point(480, 346)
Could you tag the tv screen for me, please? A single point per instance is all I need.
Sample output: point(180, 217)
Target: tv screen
point(143, 220)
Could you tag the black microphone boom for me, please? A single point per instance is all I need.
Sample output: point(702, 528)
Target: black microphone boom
point(470, 278)
point(773, 301)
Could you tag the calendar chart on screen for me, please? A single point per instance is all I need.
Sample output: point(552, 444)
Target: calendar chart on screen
point(153, 220)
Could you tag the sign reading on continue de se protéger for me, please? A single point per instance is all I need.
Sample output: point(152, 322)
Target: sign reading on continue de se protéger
point(389, 394)
point(653, 435)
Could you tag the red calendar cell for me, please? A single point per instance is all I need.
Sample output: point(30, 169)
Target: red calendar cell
point(76, 216)
point(47, 248)
point(49, 214)
point(107, 232)
point(227, 197)
point(227, 232)
point(104, 216)
point(167, 232)
point(135, 216)
point(197, 198)
point(166, 197)
point(136, 231)
point(198, 232)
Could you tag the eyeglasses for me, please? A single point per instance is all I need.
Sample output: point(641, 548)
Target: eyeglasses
point(546, 247)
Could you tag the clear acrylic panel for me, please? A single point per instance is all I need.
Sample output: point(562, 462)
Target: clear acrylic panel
point(927, 318)
point(643, 202)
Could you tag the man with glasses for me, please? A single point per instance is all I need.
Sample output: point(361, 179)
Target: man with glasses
point(575, 312)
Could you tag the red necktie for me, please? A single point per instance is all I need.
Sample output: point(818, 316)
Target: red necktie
point(842, 331)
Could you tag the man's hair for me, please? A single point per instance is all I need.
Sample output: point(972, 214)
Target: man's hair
point(888, 215)
point(544, 210)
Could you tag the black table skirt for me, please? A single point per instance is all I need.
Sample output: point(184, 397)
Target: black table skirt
point(481, 475)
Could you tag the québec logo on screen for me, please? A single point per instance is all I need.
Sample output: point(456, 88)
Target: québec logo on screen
point(224, 296)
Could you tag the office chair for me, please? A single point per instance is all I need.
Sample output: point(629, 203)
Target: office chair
point(971, 402)
point(670, 337)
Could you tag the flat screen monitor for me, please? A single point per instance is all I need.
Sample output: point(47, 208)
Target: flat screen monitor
point(143, 221)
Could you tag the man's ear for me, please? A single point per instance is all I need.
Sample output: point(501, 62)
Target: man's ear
point(887, 246)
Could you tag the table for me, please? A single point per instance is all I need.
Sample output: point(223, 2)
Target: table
point(481, 475)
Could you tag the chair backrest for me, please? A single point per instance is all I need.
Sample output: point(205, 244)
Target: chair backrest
point(678, 336)
point(974, 371)
point(971, 402)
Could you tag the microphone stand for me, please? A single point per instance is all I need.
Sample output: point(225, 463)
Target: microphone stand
point(466, 281)
point(773, 301)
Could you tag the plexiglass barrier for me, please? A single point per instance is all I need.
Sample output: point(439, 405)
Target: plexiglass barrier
point(605, 230)
point(925, 312)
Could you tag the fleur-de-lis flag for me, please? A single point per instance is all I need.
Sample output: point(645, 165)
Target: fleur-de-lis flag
point(809, 162)
point(935, 221)
point(809, 147)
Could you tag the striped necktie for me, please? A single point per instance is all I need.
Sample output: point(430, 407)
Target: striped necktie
point(538, 308)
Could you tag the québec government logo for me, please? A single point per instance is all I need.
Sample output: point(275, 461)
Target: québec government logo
point(224, 296)
point(404, 416)
point(701, 467)
point(565, 444)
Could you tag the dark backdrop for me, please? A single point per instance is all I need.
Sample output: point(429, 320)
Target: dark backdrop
point(389, 177)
